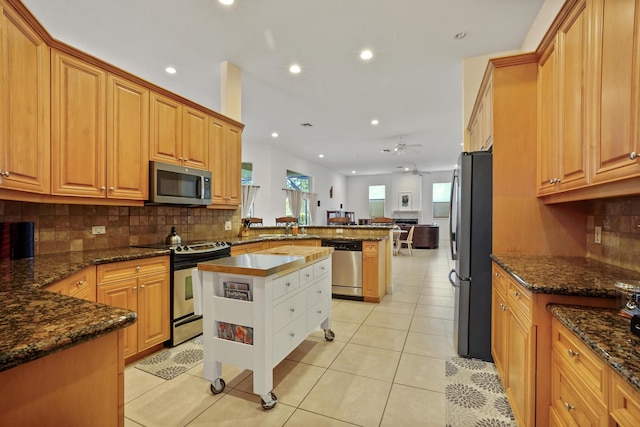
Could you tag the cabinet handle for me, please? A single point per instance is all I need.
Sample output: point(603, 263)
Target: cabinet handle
point(568, 407)
point(516, 293)
point(633, 155)
point(572, 353)
point(138, 268)
point(292, 309)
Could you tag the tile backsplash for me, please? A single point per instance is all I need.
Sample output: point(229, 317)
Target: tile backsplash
point(620, 222)
point(64, 228)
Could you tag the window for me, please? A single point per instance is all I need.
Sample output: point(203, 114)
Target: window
point(376, 201)
point(300, 182)
point(441, 198)
point(247, 174)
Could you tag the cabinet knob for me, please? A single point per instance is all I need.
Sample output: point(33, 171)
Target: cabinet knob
point(292, 334)
point(497, 274)
point(186, 159)
point(6, 174)
point(516, 293)
point(633, 155)
point(308, 275)
point(320, 291)
point(80, 283)
point(103, 188)
point(319, 311)
point(568, 407)
point(179, 158)
point(141, 286)
point(138, 268)
point(135, 288)
point(112, 189)
point(292, 309)
point(287, 284)
point(572, 353)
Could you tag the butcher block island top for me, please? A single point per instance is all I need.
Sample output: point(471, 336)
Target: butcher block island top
point(268, 261)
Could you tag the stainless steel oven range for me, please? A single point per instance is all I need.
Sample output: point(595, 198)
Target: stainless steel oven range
point(184, 323)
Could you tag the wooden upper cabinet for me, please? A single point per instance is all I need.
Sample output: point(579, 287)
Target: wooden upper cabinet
point(481, 123)
point(127, 140)
point(166, 130)
point(562, 144)
point(615, 85)
point(226, 161)
point(195, 138)
point(78, 124)
point(24, 106)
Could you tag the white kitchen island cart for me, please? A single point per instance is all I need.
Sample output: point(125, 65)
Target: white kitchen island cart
point(259, 307)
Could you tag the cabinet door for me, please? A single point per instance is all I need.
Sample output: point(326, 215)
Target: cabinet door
point(547, 122)
point(166, 130)
point(616, 62)
point(487, 117)
point(153, 308)
point(371, 274)
point(498, 331)
point(123, 294)
point(24, 106)
point(195, 138)
point(520, 371)
point(233, 146)
point(572, 151)
point(127, 140)
point(78, 127)
point(216, 136)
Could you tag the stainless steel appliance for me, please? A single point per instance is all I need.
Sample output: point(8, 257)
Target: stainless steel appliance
point(470, 229)
point(346, 267)
point(185, 324)
point(178, 184)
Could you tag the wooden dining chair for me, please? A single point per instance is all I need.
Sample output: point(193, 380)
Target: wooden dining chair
point(284, 220)
point(408, 241)
point(339, 220)
point(255, 222)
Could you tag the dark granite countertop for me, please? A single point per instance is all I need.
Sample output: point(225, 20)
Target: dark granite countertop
point(564, 275)
point(281, 237)
point(608, 334)
point(35, 322)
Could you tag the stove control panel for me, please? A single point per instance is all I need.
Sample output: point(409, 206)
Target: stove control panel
point(201, 247)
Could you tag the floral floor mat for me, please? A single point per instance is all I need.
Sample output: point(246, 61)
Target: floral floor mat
point(172, 362)
point(474, 395)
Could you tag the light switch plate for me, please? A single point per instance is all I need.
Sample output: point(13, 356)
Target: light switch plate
point(98, 229)
point(339, 230)
point(227, 225)
point(598, 234)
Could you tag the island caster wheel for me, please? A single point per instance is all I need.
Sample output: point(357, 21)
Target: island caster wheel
point(269, 401)
point(217, 386)
point(329, 335)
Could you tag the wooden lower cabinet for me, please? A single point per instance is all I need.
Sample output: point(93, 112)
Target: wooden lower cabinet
point(520, 344)
point(306, 242)
point(142, 286)
point(80, 386)
point(373, 270)
point(248, 248)
point(624, 402)
point(80, 285)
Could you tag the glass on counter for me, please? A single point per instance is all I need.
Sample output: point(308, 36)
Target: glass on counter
point(628, 297)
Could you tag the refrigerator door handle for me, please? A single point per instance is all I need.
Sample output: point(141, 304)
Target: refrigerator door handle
point(453, 210)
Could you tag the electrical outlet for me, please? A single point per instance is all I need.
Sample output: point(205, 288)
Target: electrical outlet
point(339, 230)
point(98, 229)
point(598, 234)
point(227, 225)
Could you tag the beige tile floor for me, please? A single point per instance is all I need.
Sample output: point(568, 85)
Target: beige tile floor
point(385, 367)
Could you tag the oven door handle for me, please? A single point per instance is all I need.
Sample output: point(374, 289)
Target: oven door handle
point(196, 282)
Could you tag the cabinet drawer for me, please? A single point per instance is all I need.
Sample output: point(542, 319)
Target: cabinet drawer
point(318, 291)
point(81, 284)
point(306, 274)
point(285, 340)
point(285, 284)
point(321, 267)
point(133, 268)
point(625, 402)
point(288, 310)
point(518, 296)
point(571, 402)
point(317, 313)
point(499, 279)
point(582, 361)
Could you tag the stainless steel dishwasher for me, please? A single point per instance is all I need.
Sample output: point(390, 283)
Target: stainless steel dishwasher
point(346, 265)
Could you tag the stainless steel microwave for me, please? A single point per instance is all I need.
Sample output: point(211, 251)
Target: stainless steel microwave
point(179, 185)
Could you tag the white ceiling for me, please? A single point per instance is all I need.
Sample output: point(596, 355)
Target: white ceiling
point(413, 84)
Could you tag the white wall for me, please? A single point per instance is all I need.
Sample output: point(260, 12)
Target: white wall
point(358, 190)
point(270, 166)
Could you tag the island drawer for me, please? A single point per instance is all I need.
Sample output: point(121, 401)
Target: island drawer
point(285, 284)
point(306, 274)
point(288, 310)
point(321, 267)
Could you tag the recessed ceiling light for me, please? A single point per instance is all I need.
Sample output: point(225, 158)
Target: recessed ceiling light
point(170, 70)
point(366, 54)
point(353, 171)
point(274, 134)
point(321, 155)
point(374, 122)
point(226, 2)
point(295, 69)
point(461, 35)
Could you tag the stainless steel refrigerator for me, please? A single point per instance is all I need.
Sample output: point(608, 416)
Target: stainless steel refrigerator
point(470, 235)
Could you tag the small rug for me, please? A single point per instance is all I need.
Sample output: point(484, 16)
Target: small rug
point(172, 362)
point(475, 396)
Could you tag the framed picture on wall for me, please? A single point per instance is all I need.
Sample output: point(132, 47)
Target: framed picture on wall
point(404, 201)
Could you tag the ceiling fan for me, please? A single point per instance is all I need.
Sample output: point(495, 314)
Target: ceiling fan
point(402, 147)
point(413, 171)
